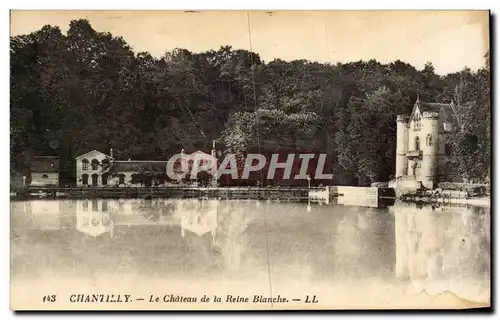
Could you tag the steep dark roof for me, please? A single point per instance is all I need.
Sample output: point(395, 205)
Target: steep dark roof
point(445, 110)
point(431, 106)
point(139, 166)
point(45, 164)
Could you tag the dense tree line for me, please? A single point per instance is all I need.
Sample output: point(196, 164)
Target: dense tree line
point(88, 90)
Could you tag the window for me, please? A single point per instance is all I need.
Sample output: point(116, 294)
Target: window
point(429, 140)
point(447, 149)
point(85, 179)
point(104, 179)
point(85, 164)
point(417, 143)
point(136, 178)
point(95, 164)
point(105, 164)
point(121, 179)
point(45, 176)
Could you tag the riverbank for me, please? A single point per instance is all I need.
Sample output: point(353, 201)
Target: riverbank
point(474, 201)
point(332, 194)
point(228, 193)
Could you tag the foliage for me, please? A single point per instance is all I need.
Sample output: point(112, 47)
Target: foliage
point(88, 90)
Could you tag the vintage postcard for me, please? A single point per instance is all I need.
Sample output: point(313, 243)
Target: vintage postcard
point(250, 160)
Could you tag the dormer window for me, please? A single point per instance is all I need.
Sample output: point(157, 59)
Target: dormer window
point(417, 125)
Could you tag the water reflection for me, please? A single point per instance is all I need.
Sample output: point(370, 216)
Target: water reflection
point(432, 249)
point(95, 222)
point(440, 249)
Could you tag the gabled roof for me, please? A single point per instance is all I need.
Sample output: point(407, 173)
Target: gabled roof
point(197, 153)
point(445, 110)
point(86, 154)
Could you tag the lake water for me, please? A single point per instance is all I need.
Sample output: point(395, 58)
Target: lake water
point(349, 257)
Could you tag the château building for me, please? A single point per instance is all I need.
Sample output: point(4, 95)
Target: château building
point(423, 147)
point(97, 169)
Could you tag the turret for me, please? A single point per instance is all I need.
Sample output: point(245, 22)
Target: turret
point(430, 130)
point(401, 145)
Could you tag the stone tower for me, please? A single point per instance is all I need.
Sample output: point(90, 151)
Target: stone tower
point(401, 145)
point(421, 139)
point(430, 130)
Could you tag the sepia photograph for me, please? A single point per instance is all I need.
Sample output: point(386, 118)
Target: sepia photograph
point(250, 160)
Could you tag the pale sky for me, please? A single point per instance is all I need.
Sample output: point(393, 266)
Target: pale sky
point(450, 40)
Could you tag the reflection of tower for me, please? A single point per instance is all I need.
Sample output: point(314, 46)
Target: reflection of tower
point(443, 249)
point(94, 222)
point(419, 241)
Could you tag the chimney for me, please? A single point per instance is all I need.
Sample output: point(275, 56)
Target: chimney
point(111, 153)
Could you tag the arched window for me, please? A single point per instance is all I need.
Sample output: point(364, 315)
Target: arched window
point(95, 164)
point(95, 179)
point(104, 179)
point(85, 164)
point(429, 140)
point(45, 176)
point(85, 179)
point(417, 143)
point(105, 164)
